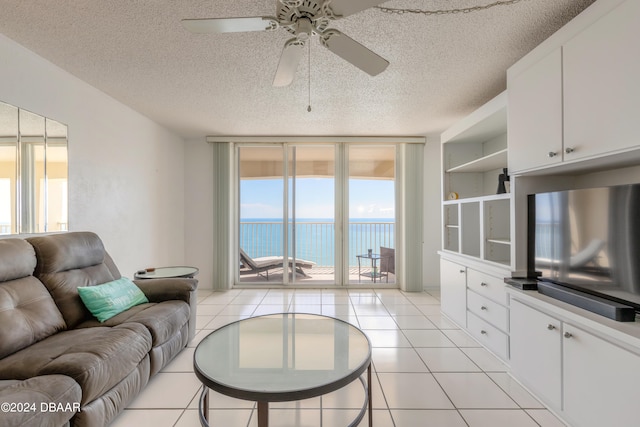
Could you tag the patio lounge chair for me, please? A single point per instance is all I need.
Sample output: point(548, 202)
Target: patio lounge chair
point(264, 264)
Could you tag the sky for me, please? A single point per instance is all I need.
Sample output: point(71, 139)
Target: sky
point(315, 198)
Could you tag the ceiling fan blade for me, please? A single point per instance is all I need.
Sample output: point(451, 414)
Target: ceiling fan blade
point(343, 8)
point(353, 52)
point(289, 60)
point(229, 25)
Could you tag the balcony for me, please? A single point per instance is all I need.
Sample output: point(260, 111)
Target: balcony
point(315, 242)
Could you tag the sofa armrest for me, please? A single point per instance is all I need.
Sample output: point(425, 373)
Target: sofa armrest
point(158, 290)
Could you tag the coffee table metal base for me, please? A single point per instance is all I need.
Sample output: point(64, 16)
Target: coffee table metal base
point(263, 407)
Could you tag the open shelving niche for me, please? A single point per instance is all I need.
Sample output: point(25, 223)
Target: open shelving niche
point(474, 154)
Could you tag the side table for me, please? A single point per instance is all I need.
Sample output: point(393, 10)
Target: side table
point(167, 272)
point(375, 272)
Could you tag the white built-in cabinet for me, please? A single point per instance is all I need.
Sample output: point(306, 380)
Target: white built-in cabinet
point(535, 114)
point(588, 380)
point(580, 98)
point(536, 355)
point(476, 220)
point(476, 226)
point(488, 310)
point(574, 107)
point(453, 291)
point(601, 67)
point(477, 302)
point(600, 380)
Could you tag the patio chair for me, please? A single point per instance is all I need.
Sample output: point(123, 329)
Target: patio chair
point(388, 261)
point(264, 264)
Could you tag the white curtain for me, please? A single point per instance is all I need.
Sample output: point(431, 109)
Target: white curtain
point(223, 221)
point(411, 217)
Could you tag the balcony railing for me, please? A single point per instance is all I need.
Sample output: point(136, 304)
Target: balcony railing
point(315, 241)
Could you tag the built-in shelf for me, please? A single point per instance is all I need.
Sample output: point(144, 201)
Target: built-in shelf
point(476, 222)
point(502, 196)
point(500, 241)
point(492, 161)
point(485, 123)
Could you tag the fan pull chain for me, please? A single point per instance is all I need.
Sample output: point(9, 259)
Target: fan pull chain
point(309, 73)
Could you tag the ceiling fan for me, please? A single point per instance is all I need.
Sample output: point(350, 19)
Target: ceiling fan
point(303, 19)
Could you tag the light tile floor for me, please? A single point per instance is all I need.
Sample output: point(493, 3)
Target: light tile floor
point(427, 372)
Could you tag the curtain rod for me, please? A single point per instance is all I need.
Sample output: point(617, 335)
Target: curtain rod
point(321, 139)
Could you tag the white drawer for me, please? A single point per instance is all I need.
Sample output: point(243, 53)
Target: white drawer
point(488, 286)
point(488, 335)
point(492, 312)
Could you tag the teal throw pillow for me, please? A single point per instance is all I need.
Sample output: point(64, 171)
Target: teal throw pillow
point(111, 298)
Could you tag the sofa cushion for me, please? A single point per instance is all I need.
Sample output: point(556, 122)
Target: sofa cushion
point(17, 259)
point(111, 298)
point(27, 314)
point(163, 320)
point(58, 395)
point(68, 261)
point(27, 311)
point(96, 358)
point(103, 410)
point(67, 251)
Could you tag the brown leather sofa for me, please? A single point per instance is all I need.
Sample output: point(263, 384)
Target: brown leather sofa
point(55, 354)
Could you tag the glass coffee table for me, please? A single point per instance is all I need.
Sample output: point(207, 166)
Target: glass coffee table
point(283, 357)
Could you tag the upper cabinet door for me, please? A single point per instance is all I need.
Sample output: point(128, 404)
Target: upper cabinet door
point(535, 115)
point(602, 85)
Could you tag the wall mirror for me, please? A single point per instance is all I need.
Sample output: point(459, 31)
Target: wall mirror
point(33, 172)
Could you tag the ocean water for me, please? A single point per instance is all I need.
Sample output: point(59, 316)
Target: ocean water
point(315, 238)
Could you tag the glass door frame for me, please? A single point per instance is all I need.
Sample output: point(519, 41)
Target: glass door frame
point(346, 214)
point(288, 173)
point(291, 161)
point(341, 210)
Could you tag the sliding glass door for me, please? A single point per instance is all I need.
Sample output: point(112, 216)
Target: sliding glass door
point(316, 214)
point(372, 217)
point(298, 180)
point(262, 225)
point(312, 212)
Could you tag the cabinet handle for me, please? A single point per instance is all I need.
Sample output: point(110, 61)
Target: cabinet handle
point(550, 327)
point(552, 154)
point(569, 150)
point(568, 334)
point(483, 308)
point(483, 284)
point(483, 332)
point(461, 271)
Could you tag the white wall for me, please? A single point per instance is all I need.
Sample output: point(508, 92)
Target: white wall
point(432, 213)
point(126, 173)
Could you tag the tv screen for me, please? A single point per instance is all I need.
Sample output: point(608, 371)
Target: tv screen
point(589, 240)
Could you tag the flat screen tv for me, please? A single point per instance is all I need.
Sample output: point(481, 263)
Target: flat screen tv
point(589, 240)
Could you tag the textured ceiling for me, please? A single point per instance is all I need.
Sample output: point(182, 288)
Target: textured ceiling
point(442, 67)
